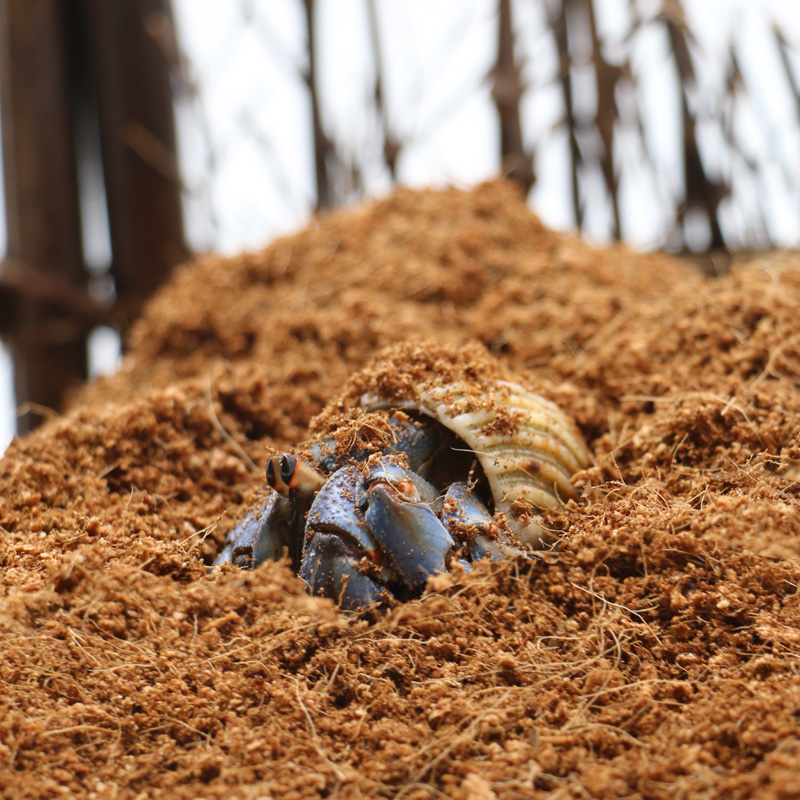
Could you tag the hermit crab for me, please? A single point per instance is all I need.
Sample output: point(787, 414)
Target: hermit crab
point(427, 465)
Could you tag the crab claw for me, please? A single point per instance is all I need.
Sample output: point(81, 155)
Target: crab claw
point(404, 524)
point(339, 547)
point(263, 534)
point(335, 510)
point(331, 569)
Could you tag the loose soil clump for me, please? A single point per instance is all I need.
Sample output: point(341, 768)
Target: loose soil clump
point(654, 656)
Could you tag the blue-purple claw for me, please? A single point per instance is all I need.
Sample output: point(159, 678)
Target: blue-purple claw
point(335, 510)
point(340, 547)
point(364, 535)
point(406, 527)
point(331, 569)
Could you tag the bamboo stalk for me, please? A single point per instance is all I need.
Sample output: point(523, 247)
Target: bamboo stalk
point(607, 115)
point(700, 190)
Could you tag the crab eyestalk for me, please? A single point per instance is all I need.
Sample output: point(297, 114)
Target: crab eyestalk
point(288, 473)
point(298, 482)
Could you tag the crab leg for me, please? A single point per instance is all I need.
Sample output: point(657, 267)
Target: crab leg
point(263, 534)
point(462, 510)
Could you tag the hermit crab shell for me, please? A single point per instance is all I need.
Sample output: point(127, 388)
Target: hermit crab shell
point(528, 448)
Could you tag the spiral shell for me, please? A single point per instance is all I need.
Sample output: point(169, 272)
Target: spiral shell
point(528, 448)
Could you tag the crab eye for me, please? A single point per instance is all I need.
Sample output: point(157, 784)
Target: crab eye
point(288, 468)
point(271, 474)
point(287, 473)
point(280, 471)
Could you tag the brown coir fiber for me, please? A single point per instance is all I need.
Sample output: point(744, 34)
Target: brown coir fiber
point(655, 656)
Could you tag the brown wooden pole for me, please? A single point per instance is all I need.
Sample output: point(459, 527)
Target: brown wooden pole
point(41, 194)
point(128, 45)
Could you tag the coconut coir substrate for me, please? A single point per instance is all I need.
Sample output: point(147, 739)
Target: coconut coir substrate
point(655, 655)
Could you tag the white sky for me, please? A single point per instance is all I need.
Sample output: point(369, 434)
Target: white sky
point(248, 164)
point(438, 55)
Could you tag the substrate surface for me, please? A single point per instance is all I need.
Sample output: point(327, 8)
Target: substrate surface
point(655, 656)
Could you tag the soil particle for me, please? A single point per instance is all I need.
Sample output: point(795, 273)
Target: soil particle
point(654, 656)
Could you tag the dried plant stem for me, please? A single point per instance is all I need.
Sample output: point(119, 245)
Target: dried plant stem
point(699, 189)
point(516, 161)
point(323, 149)
point(391, 143)
point(558, 25)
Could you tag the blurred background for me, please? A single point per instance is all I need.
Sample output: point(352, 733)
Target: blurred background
point(135, 134)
